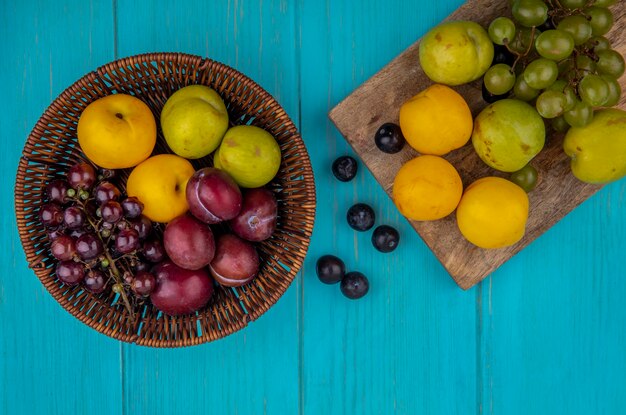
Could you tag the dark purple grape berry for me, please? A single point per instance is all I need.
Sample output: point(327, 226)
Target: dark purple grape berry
point(361, 217)
point(330, 269)
point(77, 233)
point(55, 233)
point(142, 225)
point(74, 217)
point(389, 138)
point(63, 248)
point(56, 191)
point(70, 272)
point(122, 225)
point(141, 266)
point(95, 281)
point(153, 250)
point(81, 176)
point(132, 207)
point(385, 238)
point(106, 191)
point(502, 55)
point(354, 285)
point(51, 215)
point(144, 283)
point(111, 211)
point(126, 241)
point(345, 168)
point(106, 174)
point(490, 98)
point(89, 247)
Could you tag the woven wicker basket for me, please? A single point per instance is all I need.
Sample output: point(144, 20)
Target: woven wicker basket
point(52, 147)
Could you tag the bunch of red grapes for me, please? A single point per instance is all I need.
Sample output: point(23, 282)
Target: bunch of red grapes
point(101, 238)
point(92, 227)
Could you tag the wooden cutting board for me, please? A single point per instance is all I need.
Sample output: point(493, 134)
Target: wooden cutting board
point(378, 101)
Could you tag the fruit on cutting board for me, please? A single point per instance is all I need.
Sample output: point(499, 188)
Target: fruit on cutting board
point(117, 131)
point(188, 242)
point(180, 291)
point(436, 121)
point(598, 150)
point(257, 219)
point(457, 52)
point(236, 261)
point(427, 188)
point(250, 155)
point(508, 134)
point(160, 183)
point(492, 213)
point(213, 196)
point(194, 120)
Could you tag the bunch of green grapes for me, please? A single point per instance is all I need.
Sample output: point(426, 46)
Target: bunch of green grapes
point(554, 53)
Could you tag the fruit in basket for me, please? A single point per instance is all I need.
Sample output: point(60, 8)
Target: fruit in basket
point(160, 183)
point(250, 155)
point(427, 188)
point(188, 242)
point(436, 121)
point(258, 216)
point(213, 196)
point(492, 213)
point(194, 120)
point(180, 291)
point(508, 134)
point(455, 53)
point(598, 150)
point(236, 261)
point(117, 131)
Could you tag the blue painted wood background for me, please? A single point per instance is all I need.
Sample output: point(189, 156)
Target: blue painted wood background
point(545, 334)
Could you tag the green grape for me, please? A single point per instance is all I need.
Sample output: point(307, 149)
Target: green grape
point(499, 79)
point(541, 73)
point(573, 4)
point(615, 91)
point(578, 27)
point(593, 90)
point(580, 115)
point(523, 39)
point(559, 124)
point(554, 44)
point(523, 91)
point(561, 85)
point(604, 3)
point(550, 103)
point(610, 62)
point(601, 20)
point(526, 177)
point(585, 63)
point(530, 13)
point(500, 29)
point(599, 43)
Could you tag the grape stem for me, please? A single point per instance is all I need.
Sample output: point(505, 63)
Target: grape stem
point(526, 52)
point(113, 270)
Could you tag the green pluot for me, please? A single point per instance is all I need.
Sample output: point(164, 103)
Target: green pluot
point(508, 134)
point(456, 53)
point(250, 155)
point(194, 120)
point(598, 150)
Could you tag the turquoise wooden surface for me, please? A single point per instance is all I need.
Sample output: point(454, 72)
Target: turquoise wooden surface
point(544, 334)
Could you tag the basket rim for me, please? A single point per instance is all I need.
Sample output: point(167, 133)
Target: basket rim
point(35, 260)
